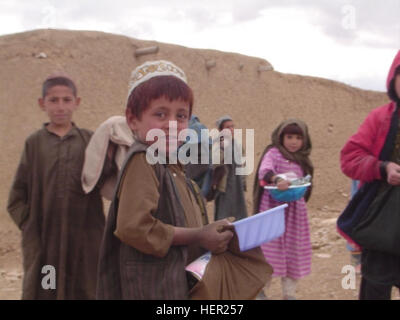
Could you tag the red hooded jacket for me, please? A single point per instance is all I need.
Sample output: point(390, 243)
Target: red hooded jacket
point(359, 156)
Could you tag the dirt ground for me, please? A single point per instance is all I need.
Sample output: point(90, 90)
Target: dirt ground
point(325, 282)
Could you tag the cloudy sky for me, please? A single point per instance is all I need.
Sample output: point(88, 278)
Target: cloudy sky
point(352, 41)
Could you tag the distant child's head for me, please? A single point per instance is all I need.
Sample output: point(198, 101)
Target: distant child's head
point(291, 137)
point(158, 94)
point(59, 99)
point(225, 122)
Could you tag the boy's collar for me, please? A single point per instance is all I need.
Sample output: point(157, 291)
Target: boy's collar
point(72, 131)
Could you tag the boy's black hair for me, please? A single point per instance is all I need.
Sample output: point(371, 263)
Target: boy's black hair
point(58, 81)
point(170, 87)
point(392, 90)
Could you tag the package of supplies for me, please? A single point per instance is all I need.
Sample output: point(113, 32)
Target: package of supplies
point(260, 228)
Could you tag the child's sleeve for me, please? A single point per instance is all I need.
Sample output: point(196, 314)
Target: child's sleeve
point(356, 157)
point(138, 200)
point(18, 206)
point(266, 166)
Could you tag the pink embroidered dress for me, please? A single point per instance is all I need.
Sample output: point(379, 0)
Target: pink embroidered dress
point(290, 254)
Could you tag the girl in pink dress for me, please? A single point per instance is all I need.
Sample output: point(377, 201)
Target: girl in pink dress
point(290, 254)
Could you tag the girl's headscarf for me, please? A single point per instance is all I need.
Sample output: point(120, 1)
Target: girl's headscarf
point(301, 157)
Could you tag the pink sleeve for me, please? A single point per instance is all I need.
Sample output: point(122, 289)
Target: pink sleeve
point(357, 157)
point(267, 163)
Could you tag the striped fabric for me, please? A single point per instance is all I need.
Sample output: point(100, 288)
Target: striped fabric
point(289, 255)
point(126, 273)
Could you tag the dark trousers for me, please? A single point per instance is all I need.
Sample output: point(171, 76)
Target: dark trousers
point(373, 291)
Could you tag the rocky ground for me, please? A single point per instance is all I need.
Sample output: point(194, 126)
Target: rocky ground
point(325, 283)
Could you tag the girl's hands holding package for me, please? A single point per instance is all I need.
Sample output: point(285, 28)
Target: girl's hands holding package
point(215, 236)
point(283, 184)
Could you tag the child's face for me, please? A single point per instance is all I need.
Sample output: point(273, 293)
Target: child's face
point(59, 104)
point(228, 125)
point(292, 142)
point(157, 116)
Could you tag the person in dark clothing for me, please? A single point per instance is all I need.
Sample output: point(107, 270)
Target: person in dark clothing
point(360, 160)
point(228, 187)
point(155, 226)
point(61, 225)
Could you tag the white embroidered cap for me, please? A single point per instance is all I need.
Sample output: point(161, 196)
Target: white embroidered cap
point(151, 69)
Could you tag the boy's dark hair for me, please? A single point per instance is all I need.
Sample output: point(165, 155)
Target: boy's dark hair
point(58, 81)
point(170, 87)
point(392, 90)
